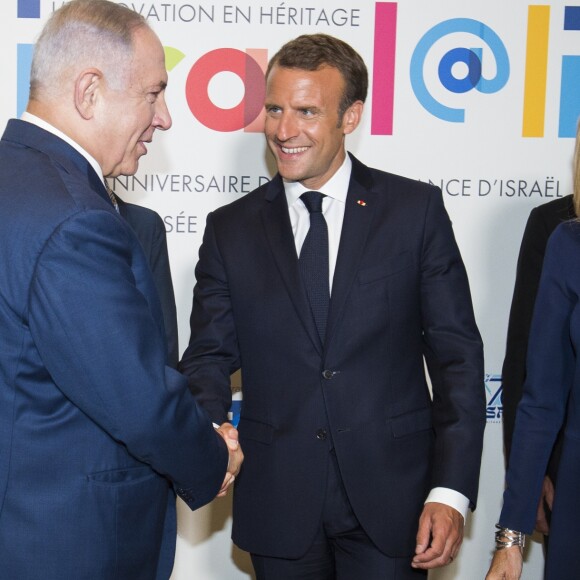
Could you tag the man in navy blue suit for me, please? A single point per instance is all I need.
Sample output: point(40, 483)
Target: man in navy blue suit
point(97, 433)
point(352, 470)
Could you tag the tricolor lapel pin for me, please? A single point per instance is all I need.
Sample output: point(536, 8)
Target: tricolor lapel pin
point(361, 202)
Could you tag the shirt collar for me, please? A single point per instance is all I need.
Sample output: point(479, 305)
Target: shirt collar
point(30, 118)
point(336, 187)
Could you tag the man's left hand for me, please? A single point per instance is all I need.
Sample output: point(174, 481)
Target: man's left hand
point(439, 536)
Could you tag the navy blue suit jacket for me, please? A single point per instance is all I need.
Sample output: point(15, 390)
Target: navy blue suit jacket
point(551, 394)
point(542, 222)
point(93, 424)
point(399, 293)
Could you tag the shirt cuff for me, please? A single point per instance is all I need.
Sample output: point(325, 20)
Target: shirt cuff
point(449, 497)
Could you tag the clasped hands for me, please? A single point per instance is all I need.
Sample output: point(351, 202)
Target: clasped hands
point(236, 456)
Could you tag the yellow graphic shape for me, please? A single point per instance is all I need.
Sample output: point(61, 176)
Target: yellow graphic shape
point(172, 57)
point(536, 71)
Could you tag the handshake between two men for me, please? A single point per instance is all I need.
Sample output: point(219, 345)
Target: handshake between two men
point(235, 455)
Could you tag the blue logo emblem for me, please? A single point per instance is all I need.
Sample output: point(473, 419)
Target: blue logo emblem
point(493, 391)
point(470, 57)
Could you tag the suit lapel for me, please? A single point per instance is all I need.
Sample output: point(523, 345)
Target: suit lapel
point(276, 222)
point(359, 211)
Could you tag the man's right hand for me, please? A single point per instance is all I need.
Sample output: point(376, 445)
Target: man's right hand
point(236, 456)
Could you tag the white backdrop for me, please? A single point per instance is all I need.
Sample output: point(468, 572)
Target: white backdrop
point(497, 145)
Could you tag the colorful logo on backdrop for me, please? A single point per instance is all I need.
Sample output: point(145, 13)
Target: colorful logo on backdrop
point(493, 393)
point(449, 59)
point(460, 69)
point(470, 58)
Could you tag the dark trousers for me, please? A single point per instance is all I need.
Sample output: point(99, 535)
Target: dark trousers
point(341, 549)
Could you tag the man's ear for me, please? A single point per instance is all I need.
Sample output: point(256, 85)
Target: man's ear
point(352, 117)
point(87, 87)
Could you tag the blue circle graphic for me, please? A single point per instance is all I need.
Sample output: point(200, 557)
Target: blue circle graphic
point(452, 83)
point(483, 85)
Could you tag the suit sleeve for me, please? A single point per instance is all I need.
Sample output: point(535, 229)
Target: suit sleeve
point(212, 355)
point(529, 268)
point(105, 351)
point(454, 357)
point(549, 377)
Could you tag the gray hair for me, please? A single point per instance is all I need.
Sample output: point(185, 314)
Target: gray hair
point(80, 34)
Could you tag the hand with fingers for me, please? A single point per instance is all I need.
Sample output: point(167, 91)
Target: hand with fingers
point(236, 456)
point(439, 536)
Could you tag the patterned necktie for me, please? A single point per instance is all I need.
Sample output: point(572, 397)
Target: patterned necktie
point(313, 261)
point(112, 197)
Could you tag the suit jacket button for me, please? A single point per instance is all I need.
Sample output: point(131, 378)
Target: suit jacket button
point(321, 434)
point(327, 374)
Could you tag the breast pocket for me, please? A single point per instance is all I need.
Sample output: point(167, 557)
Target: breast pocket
point(411, 423)
point(390, 266)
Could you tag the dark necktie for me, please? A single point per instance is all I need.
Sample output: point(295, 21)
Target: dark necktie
point(313, 261)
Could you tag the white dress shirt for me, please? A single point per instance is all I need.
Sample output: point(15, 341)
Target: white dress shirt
point(333, 204)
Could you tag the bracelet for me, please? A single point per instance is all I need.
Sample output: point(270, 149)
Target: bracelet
point(506, 538)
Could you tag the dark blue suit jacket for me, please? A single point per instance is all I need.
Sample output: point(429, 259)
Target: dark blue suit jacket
point(551, 390)
point(93, 425)
point(399, 293)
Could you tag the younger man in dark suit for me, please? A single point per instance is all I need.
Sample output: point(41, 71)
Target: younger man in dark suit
point(328, 286)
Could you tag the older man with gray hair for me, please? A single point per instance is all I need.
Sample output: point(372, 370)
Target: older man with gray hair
point(97, 433)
